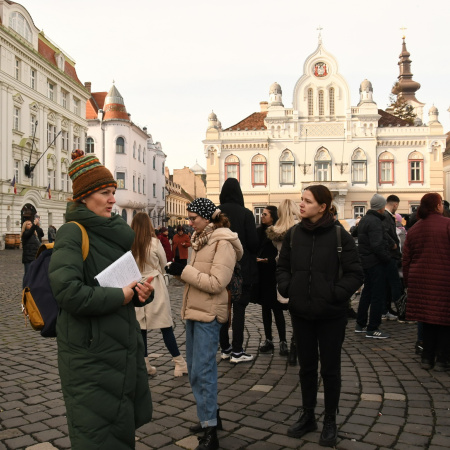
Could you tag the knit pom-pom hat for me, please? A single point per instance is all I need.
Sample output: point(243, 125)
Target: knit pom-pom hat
point(88, 175)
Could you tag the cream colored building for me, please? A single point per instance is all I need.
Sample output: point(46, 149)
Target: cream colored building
point(40, 96)
point(354, 150)
point(177, 200)
point(192, 180)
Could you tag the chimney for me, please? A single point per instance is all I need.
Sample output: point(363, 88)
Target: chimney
point(88, 85)
point(264, 106)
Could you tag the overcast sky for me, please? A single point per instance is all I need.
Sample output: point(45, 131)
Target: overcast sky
point(175, 61)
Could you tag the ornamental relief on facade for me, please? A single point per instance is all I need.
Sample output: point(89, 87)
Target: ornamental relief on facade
point(325, 129)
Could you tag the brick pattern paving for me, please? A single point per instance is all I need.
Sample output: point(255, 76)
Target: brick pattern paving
point(387, 400)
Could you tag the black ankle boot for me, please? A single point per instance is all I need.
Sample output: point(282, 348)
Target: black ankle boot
point(328, 437)
point(209, 440)
point(305, 424)
point(197, 427)
point(293, 354)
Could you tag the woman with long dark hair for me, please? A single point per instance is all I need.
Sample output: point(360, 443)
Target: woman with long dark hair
point(426, 259)
point(318, 282)
point(151, 260)
point(266, 293)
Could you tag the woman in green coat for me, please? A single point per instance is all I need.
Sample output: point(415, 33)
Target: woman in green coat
point(100, 348)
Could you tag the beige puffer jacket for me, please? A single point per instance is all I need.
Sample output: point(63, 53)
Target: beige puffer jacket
point(207, 275)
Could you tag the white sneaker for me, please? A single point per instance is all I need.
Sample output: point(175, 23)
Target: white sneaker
point(389, 316)
point(240, 357)
point(226, 353)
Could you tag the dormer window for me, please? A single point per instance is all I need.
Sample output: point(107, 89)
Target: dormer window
point(20, 25)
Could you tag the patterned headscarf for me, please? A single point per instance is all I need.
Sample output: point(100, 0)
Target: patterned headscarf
point(204, 208)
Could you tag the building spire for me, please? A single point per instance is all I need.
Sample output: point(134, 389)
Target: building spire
point(405, 87)
point(319, 29)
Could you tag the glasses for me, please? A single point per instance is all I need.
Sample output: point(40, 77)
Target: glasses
point(192, 219)
point(264, 214)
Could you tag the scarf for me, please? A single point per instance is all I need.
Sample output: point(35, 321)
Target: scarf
point(324, 221)
point(199, 240)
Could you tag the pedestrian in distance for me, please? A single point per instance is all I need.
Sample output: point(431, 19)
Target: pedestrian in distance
point(318, 280)
point(31, 237)
point(180, 245)
point(151, 260)
point(100, 350)
point(215, 250)
point(51, 234)
point(288, 216)
point(163, 236)
point(426, 259)
point(242, 222)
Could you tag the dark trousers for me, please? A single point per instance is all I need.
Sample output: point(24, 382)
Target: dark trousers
point(181, 261)
point(279, 321)
point(237, 323)
point(26, 266)
point(372, 296)
point(436, 342)
point(169, 341)
point(320, 339)
point(394, 286)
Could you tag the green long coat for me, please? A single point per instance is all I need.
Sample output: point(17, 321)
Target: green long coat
point(100, 347)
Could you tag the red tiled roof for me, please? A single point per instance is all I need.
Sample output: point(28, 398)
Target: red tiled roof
point(95, 103)
point(115, 111)
point(387, 119)
point(255, 120)
point(49, 54)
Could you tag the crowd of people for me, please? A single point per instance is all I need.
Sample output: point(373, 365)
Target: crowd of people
point(300, 265)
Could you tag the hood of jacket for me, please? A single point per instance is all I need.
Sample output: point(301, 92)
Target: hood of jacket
point(231, 192)
point(222, 233)
point(273, 235)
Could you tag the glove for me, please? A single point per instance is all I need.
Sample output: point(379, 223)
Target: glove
point(174, 268)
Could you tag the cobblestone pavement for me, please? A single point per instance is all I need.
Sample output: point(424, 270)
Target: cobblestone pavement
point(387, 400)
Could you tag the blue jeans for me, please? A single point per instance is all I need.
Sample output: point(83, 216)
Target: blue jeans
point(202, 340)
point(372, 296)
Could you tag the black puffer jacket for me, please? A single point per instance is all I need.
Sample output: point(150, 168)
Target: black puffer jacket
point(373, 243)
point(391, 230)
point(308, 274)
point(242, 222)
point(31, 243)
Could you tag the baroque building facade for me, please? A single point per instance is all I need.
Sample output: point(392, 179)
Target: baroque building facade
point(355, 151)
point(42, 119)
point(177, 200)
point(137, 162)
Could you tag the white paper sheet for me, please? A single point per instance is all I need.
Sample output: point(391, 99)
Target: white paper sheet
point(120, 273)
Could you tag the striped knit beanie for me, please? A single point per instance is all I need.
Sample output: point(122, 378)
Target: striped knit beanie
point(88, 175)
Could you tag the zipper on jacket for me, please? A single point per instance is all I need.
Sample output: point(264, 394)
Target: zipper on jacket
point(310, 267)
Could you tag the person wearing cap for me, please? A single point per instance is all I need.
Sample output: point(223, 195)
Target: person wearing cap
point(100, 349)
point(215, 250)
point(373, 247)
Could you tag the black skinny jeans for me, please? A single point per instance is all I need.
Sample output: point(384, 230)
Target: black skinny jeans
point(279, 322)
point(436, 342)
point(320, 339)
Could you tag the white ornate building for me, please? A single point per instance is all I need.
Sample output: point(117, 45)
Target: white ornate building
point(138, 163)
point(354, 150)
point(40, 96)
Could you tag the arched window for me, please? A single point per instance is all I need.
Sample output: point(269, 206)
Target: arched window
point(331, 100)
point(134, 150)
point(89, 145)
point(154, 163)
point(143, 155)
point(20, 25)
point(386, 168)
point(359, 166)
point(310, 102)
point(287, 166)
point(232, 167)
point(124, 214)
point(322, 165)
point(139, 153)
point(120, 145)
point(259, 170)
point(321, 105)
point(415, 167)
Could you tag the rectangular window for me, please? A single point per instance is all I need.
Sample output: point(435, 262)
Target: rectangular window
point(33, 78)
point(287, 173)
point(359, 172)
point(321, 105)
point(259, 174)
point(64, 99)
point(51, 178)
point(139, 185)
point(231, 171)
point(16, 171)
point(76, 142)
point(163, 168)
point(143, 186)
point(51, 133)
point(358, 211)
point(134, 183)
point(322, 171)
point(50, 90)
point(120, 177)
point(65, 140)
point(258, 211)
point(331, 94)
point(386, 169)
point(16, 121)
point(415, 171)
point(163, 193)
point(32, 124)
point(310, 102)
point(76, 106)
point(154, 190)
point(17, 69)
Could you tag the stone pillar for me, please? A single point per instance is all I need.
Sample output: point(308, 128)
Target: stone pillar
point(58, 143)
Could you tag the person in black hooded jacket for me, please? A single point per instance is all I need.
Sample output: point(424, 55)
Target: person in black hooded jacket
point(31, 238)
point(309, 274)
point(243, 223)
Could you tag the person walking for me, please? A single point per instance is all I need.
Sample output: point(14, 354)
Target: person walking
point(266, 294)
point(373, 248)
point(100, 349)
point(288, 216)
point(318, 282)
point(180, 244)
point(215, 250)
point(242, 222)
point(31, 237)
point(151, 260)
point(426, 258)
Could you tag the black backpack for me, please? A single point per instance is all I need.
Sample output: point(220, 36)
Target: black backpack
point(38, 303)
